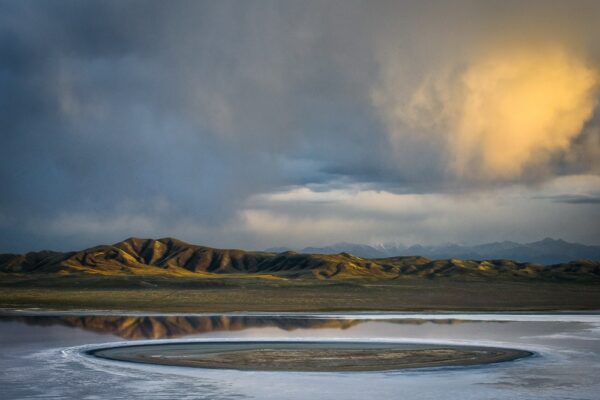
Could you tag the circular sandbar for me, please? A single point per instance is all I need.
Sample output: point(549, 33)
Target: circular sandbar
point(308, 356)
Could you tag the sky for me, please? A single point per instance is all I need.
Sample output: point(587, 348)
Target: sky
point(258, 124)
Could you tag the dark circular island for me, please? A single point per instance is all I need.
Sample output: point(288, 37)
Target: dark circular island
point(308, 356)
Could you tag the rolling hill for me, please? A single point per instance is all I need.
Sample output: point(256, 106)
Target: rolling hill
point(174, 258)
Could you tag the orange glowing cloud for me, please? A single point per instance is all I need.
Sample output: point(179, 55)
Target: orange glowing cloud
point(503, 116)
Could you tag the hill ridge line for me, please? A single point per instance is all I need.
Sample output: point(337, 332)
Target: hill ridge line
point(172, 257)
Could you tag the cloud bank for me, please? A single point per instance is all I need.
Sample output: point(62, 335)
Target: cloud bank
point(504, 116)
point(193, 118)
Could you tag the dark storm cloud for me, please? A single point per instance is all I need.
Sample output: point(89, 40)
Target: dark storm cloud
point(190, 105)
point(167, 118)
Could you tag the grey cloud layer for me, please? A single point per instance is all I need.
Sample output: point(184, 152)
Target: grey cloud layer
point(164, 118)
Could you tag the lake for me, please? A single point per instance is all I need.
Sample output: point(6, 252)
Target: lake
point(45, 355)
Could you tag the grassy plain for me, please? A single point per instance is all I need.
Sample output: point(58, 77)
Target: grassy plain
point(163, 294)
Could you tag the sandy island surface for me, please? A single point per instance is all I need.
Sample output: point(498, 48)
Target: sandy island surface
point(309, 356)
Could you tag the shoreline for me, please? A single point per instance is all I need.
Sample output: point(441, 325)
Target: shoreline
point(475, 315)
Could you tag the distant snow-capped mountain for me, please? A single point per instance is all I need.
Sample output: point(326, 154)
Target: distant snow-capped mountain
point(546, 251)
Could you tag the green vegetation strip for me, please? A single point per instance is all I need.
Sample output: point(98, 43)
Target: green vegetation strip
point(198, 295)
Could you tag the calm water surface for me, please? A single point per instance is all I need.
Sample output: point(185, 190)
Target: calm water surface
point(43, 356)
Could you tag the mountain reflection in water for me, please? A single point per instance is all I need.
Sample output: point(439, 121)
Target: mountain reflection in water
point(163, 327)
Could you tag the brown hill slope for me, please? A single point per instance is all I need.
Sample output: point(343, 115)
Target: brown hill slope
point(171, 257)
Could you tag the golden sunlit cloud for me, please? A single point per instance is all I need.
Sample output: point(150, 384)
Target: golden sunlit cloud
point(502, 117)
point(518, 109)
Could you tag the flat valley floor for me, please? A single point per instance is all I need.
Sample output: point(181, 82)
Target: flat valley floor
point(147, 293)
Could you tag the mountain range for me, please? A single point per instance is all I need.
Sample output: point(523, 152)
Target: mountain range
point(546, 251)
point(174, 258)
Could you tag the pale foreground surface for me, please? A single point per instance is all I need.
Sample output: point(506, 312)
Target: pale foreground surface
point(42, 359)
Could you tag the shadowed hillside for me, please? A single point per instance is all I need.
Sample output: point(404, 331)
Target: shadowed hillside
point(171, 257)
